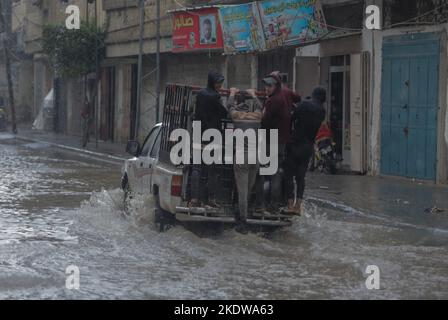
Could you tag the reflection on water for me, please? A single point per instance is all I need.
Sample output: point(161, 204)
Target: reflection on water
point(57, 210)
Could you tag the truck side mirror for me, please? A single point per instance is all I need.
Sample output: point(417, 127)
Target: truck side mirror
point(133, 148)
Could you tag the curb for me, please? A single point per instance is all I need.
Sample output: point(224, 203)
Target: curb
point(98, 155)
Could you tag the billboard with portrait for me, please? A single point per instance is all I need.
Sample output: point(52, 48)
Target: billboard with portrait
point(196, 29)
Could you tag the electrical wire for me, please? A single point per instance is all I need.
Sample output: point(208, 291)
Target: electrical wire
point(417, 17)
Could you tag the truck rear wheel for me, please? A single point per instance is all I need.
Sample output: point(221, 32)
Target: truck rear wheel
point(163, 219)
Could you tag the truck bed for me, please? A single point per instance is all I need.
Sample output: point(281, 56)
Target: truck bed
point(178, 114)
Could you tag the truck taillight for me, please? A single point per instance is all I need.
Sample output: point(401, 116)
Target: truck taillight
point(176, 186)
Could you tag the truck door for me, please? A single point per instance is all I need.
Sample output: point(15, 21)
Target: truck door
point(144, 164)
point(151, 162)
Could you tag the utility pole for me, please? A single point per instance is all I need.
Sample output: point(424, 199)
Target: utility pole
point(158, 64)
point(6, 37)
point(97, 78)
point(140, 67)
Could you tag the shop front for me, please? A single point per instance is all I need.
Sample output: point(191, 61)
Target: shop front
point(339, 66)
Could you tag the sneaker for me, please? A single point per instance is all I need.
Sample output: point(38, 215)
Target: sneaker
point(263, 212)
point(194, 204)
point(242, 228)
point(213, 205)
point(287, 211)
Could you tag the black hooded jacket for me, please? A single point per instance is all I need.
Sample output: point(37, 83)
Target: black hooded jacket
point(308, 117)
point(209, 108)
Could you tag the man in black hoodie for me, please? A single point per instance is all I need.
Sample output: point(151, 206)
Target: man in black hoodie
point(209, 111)
point(306, 121)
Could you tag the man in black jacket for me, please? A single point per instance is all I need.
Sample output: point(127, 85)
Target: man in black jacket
point(306, 120)
point(209, 111)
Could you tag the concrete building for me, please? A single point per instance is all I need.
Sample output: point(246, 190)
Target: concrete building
point(244, 71)
point(37, 13)
point(21, 63)
point(348, 61)
point(388, 89)
point(119, 76)
point(407, 119)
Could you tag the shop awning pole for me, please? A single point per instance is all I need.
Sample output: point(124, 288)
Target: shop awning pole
point(140, 67)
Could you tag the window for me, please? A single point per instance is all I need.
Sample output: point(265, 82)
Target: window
point(155, 150)
point(150, 142)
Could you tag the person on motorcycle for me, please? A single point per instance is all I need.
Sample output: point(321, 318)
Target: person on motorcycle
point(325, 157)
point(306, 120)
point(324, 132)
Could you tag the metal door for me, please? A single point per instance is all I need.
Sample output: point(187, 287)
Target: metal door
point(410, 87)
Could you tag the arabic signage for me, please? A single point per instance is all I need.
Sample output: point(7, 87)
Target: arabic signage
point(197, 30)
point(290, 22)
point(248, 27)
point(242, 29)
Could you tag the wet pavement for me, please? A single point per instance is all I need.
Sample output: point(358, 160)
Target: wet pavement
point(58, 208)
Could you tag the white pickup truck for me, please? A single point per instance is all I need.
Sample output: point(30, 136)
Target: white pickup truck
point(150, 172)
point(145, 175)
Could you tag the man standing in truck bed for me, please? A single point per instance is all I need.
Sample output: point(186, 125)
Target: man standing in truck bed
point(277, 116)
point(210, 112)
point(245, 118)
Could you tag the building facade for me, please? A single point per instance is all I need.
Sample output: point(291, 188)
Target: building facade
point(407, 117)
point(32, 16)
point(21, 63)
point(387, 88)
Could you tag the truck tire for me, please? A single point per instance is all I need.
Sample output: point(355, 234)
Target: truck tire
point(163, 219)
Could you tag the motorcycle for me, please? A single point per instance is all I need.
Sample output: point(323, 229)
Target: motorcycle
point(325, 157)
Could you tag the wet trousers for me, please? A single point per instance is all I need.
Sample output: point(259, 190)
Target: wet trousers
point(276, 181)
point(245, 177)
point(296, 166)
point(198, 188)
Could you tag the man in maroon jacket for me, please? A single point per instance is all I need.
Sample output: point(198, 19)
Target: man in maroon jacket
point(277, 116)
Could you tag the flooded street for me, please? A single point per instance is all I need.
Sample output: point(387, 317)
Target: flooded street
point(59, 209)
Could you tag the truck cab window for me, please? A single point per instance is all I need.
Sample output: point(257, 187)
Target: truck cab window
point(155, 150)
point(150, 140)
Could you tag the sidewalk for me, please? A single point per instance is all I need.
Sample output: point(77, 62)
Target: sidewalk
point(384, 198)
point(105, 150)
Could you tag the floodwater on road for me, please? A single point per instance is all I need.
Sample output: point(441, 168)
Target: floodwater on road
point(59, 209)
